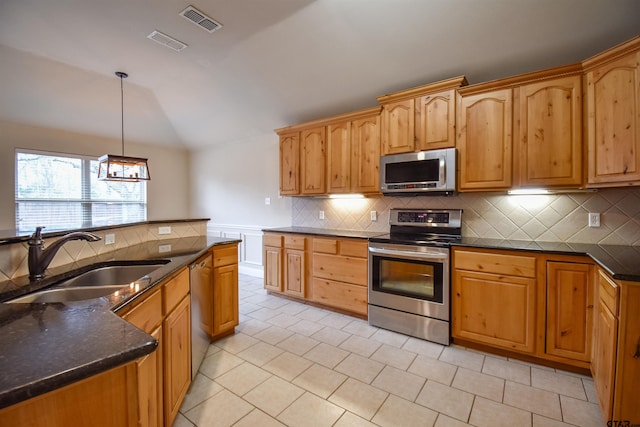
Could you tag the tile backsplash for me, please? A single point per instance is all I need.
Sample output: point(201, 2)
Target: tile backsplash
point(13, 257)
point(549, 218)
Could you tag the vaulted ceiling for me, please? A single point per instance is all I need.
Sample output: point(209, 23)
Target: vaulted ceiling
point(274, 62)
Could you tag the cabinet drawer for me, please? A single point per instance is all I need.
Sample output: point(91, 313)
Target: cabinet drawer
point(340, 268)
point(225, 255)
point(175, 289)
point(341, 295)
point(354, 248)
point(498, 263)
point(325, 246)
point(608, 292)
point(148, 314)
point(272, 240)
point(293, 241)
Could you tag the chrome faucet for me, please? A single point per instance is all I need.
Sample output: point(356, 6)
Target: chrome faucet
point(40, 258)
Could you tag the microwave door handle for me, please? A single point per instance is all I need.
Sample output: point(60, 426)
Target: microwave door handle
point(443, 171)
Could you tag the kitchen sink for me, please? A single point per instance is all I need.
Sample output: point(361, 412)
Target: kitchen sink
point(95, 283)
point(67, 294)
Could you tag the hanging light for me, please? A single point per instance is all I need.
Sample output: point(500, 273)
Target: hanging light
point(122, 168)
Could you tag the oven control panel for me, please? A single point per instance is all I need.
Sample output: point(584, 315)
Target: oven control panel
point(426, 217)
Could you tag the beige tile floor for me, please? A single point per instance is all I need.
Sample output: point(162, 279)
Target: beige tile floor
point(296, 365)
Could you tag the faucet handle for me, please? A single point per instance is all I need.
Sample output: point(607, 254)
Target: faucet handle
point(36, 237)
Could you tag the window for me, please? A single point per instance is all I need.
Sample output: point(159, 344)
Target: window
point(62, 192)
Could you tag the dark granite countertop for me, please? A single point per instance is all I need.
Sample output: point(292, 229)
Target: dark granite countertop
point(46, 346)
point(325, 232)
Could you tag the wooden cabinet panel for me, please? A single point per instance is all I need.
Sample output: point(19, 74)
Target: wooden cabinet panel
point(608, 292)
point(435, 121)
point(295, 272)
point(365, 155)
point(604, 357)
point(484, 140)
point(569, 310)
point(177, 355)
point(225, 298)
point(295, 241)
point(613, 117)
point(339, 158)
point(627, 371)
point(174, 290)
point(398, 127)
point(270, 239)
point(273, 268)
point(326, 246)
point(312, 161)
point(494, 309)
point(340, 295)
point(149, 386)
point(290, 163)
point(225, 255)
point(147, 315)
point(354, 248)
point(550, 133)
point(340, 268)
point(496, 262)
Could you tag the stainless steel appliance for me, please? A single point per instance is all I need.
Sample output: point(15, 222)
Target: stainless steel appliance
point(200, 281)
point(421, 173)
point(409, 288)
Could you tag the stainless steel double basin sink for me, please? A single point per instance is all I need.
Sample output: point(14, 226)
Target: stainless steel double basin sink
point(94, 283)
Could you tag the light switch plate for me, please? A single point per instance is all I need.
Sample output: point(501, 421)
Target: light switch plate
point(109, 239)
point(164, 230)
point(374, 216)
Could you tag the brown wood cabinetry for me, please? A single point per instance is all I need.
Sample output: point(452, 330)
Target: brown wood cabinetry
point(613, 116)
point(353, 164)
point(290, 163)
point(225, 290)
point(549, 144)
point(312, 161)
point(295, 265)
point(176, 343)
point(272, 260)
point(420, 118)
point(569, 310)
point(340, 273)
point(494, 298)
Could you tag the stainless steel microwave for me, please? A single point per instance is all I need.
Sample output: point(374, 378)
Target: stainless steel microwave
point(422, 173)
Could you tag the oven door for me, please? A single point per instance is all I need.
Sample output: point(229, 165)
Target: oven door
point(413, 279)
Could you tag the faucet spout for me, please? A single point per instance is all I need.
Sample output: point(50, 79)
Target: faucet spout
point(40, 258)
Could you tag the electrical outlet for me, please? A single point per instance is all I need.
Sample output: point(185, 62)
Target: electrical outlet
point(320, 214)
point(374, 216)
point(164, 230)
point(164, 248)
point(109, 239)
point(594, 219)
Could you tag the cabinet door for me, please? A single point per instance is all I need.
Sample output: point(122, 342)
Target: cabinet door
point(365, 155)
point(569, 310)
point(435, 121)
point(613, 122)
point(273, 268)
point(289, 163)
point(149, 375)
point(295, 272)
point(603, 364)
point(494, 309)
point(312, 161)
point(225, 298)
point(177, 358)
point(339, 158)
point(398, 127)
point(550, 133)
point(485, 140)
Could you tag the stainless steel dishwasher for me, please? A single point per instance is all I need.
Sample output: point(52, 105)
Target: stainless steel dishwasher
point(201, 302)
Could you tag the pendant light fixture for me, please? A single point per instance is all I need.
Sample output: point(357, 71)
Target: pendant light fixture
point(122, 168)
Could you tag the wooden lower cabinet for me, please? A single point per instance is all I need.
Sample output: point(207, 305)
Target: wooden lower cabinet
point(294, 272)
point(108, 399)
point(177, 358)
point(225, 299)
point(494, 299)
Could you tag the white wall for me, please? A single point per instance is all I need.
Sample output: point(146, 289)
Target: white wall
point(167, 192)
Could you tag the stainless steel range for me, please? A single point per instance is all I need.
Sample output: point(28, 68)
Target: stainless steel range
point(409, 289)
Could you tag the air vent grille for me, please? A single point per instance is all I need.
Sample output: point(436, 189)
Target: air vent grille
point(200, 19)
point(167, 41)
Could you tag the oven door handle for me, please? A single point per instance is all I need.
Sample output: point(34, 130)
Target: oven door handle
point(412, 254)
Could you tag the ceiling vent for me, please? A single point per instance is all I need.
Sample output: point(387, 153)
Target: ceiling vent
point(167, 41)
point(200, 19)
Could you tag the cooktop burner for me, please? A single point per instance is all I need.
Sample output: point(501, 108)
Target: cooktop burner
point(432, 227)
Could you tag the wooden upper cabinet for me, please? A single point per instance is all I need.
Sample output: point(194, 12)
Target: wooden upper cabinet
point(484, 140)
point(420, 118)
point(339, 157)
point(613, 116)
point(312, 160)
point(549, 140)
point(290, 163)
point(365, 154)
point(435, 121)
